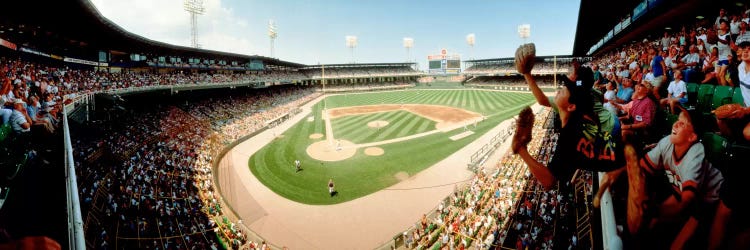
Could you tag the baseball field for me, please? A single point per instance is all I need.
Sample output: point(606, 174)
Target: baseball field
point(367, 142)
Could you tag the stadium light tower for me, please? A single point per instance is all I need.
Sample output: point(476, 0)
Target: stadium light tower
point(272, 33)
point(408, 44)
point(195, 8)
point(524, 31)
point(470, 40)
point(351, 43)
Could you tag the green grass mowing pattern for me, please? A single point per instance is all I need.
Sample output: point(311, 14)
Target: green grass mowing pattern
point(361, 175)
point(400, 123)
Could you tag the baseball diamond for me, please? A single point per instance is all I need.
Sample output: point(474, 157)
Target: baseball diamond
point(416, 133)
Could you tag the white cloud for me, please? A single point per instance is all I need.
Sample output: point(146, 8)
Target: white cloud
point(167, 21)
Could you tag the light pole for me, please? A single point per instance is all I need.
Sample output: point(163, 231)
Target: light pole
point(195, 8)
point(351, 43)
point(470, 40)
point(524, 31)
point(272, 33)
point(408, 44)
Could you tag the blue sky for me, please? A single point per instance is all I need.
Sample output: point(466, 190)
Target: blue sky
point(312, 32)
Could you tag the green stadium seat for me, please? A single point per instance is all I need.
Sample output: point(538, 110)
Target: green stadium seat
point(692, 94)
point(705, 94)
point(737, 97)
point(722, 95)
point(5, 131)
point(717, 148)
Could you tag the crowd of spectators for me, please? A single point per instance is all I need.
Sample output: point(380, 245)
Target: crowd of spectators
point(30, 114)
point(157, 192)
point(644, 83)
point(366, 87)
point(689, 48)
point(509, 68)
point(350, 72)
point(237, 117)
point(501, 206)
point(68, 83)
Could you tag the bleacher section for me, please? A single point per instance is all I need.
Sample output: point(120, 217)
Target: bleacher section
point(545, 65)
point(147, 182)
point(503, 207)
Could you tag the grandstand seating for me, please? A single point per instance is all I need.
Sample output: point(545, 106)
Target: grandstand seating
point(722, 95)
point(737, 96)
point(692, 95)
point(527, 215)
point(704, 98)
point(5, 131)
point(716, 148)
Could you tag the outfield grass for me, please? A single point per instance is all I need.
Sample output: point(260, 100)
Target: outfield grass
point(362, 175)
point(400, 124)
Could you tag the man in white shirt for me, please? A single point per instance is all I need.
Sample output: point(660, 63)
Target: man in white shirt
point(690, 62)
point(19, 119)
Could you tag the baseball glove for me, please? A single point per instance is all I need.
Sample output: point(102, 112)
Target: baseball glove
point(525, 57)
point(524, 124)
point(729, 111)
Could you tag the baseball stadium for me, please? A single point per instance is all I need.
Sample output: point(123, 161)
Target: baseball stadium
point(117, 138)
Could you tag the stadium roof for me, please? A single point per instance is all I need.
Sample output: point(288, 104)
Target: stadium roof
point(75, 28)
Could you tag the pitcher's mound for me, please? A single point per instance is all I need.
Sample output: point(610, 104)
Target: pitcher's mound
point(377, 124)
point(401, 176)
point(316, 136)
point(331, 151)
point(374, 151)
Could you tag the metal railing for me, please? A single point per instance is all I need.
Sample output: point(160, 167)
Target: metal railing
point(76, 238)
point(610, 239)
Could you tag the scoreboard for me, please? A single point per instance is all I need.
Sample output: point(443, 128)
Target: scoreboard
point(444, 63)
point(454, 64)
point(435, 64)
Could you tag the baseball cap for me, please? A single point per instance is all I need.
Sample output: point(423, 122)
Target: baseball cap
point(743, 41)
point(580, 88)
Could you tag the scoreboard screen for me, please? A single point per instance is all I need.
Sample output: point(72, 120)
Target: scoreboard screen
point(256, 65)
point(436, 64)
point(454, 64)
